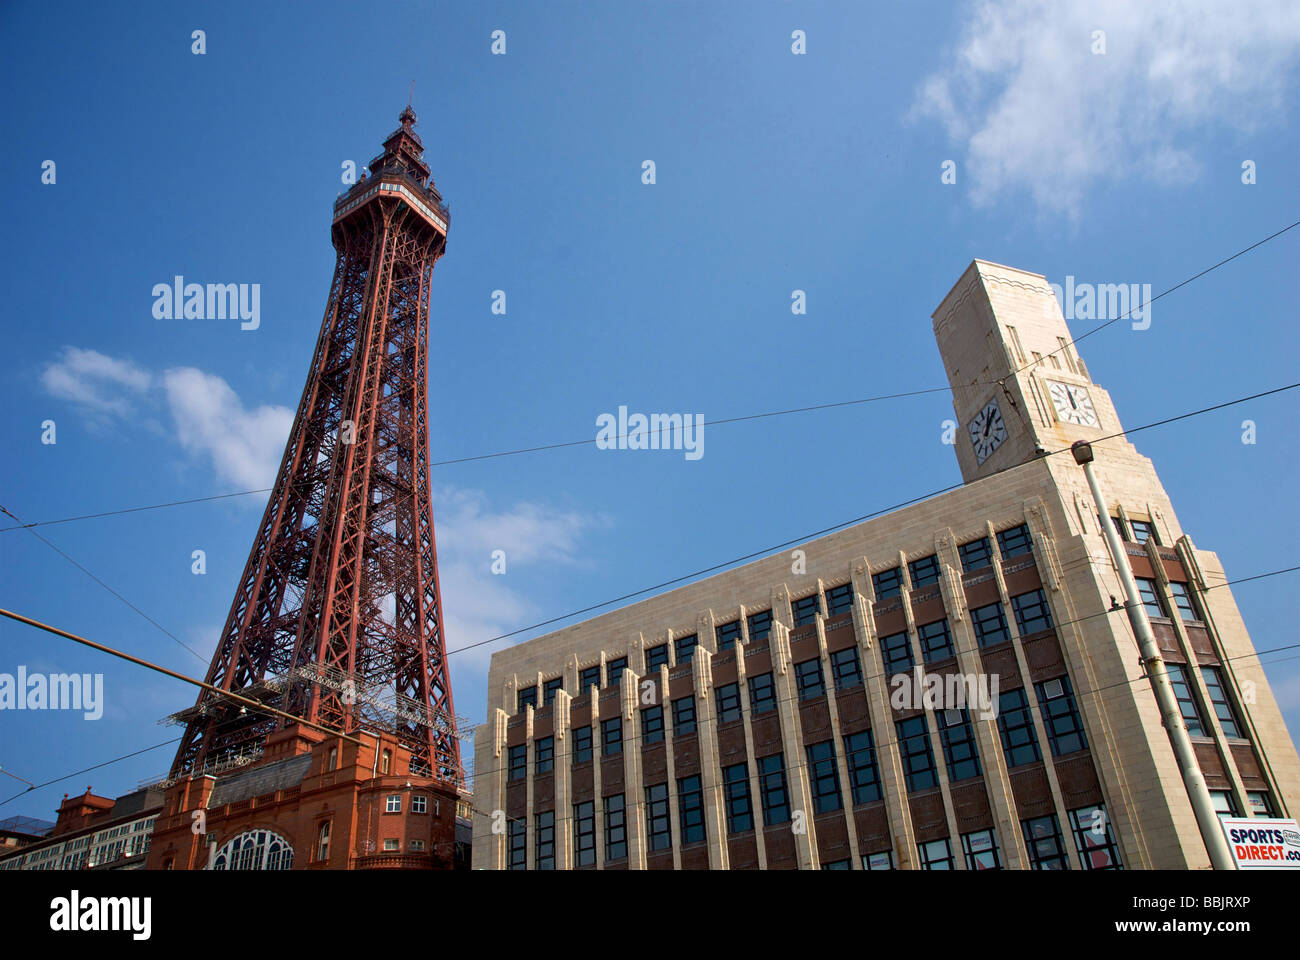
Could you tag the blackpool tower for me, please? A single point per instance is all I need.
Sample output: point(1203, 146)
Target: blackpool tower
point(338, 617)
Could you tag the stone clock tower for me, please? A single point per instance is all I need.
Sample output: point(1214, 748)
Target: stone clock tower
point(1019, 388)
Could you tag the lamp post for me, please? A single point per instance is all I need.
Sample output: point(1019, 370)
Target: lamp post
point(1171, 717)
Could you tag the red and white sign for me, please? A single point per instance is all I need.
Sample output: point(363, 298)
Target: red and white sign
point(1263, 843)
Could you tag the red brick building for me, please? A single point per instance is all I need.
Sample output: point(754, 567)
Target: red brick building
point(310, 802)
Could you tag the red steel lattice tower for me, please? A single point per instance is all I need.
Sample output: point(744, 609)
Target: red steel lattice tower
point(338, 616)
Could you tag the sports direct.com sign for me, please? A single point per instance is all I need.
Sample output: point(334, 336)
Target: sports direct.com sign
point(1260, 843)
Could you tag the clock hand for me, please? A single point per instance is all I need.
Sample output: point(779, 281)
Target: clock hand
point(1070, 394)
point(987, 423)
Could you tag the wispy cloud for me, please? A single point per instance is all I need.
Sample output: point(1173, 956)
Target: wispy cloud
point(1036, 110)
point(243, 445)
point(99, 384)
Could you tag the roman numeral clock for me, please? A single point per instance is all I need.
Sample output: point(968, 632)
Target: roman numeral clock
point(987, 431)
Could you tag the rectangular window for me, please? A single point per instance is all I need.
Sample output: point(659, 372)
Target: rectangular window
point(1032, 612)
point(840, 599)
point(1181, 683)
point(935, 855)
point(824, 777)
point(1043, 840)
point(527, 698)
point(589, 677)
point(1093, 838)
point(864, 778)
point(914, 748)
point(686, 648)
point(1183, 601)
point(897, 652)
point(936, 641)
point(545, 753)
point(808, 675)
point(652, 724)
point(740, 815)
point(544, 850)
point(728, 697)
point(837, 865)
point(772, 789)
point(615, 828)
point(684, 716)
point(518, 762)
point(1144, 531)
point(760, 625)
point(1219, 701)
point(1150, 594)
point(584, 834)
point(390, 844)
point(1015, 542)
point(990, 624)
point(614, 671)
point(981, 850)
point(1060, 716)
point(1223, 804)
point(393, 803)
point(419, 804)
point(611, 736)
point(658, 825)
point(581, 744)
point(807, 609)
point(888, 583)
point(958, 739)
point(1118, 524)
point(1259, 804)
point(846, 669)
point(727, 634)
point(1016, 724)
point(878, 861)
point(762, 694)
point(690, 809)
point(975, 555)
point(656, 656)
point(924, 571)
point(549, 689)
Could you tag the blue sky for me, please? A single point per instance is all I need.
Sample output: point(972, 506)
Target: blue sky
point(774, 172)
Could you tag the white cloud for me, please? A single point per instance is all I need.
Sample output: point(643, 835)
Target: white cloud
point(1036, 110)
point(99, 384)
point(244, 446)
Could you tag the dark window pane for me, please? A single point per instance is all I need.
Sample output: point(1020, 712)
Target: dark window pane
point(924, 571)
point(808, 675)
point(840, 599)
point(807, 609)
point(652, 724)
point(772, 788)
point(545, 750)
point(727, 634)
point(762, 694)
point(611, 736)
point(728, 697)
point(615, 827)
point(975, 555)
point(1032, 612)
point(1219, 700)
point(740, 816)
point(684, 716)
point(690, 813)
point(914, 749)
point(519, 762)
point(959, 752)
point(864, 778)
point(655, 656)
point(897, 652)
point(936, 642)
point(990, 624)
point(614, 671)
point(581, 744)
point(824, 777)
point(686, 648)
point(887, 583)
point(1060, 717)
point(658, 825)
point(760, 625)
point(1016, 724)
point(1015, 542)
point(846, 668)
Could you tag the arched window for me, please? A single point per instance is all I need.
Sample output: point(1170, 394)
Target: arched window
point(387, 762)
point(255, 850)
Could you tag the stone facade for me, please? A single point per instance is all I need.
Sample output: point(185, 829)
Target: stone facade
point(1113, 795)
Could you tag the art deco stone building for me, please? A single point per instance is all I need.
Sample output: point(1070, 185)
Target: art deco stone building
point(754, 720)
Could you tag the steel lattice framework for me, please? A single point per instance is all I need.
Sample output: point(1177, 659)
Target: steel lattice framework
point(342, 578)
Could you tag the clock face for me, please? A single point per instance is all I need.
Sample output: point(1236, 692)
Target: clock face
point(987, 431)
point(1073, 405)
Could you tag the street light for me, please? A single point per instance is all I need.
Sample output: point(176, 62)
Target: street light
point(1171, 716)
